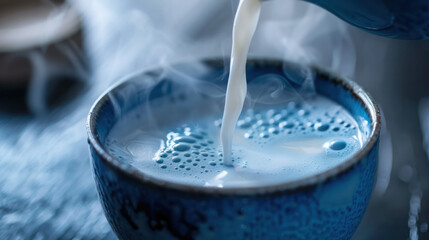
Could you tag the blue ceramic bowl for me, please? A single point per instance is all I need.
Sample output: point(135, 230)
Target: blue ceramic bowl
point(329, 205)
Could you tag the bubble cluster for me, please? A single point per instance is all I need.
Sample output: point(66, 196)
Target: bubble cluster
point(191, 148)
point(298, 118)
point(187, 149)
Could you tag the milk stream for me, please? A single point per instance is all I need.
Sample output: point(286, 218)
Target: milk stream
point(245, 23)
point(272, 144)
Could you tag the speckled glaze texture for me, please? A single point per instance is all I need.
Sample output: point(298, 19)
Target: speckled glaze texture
point(327, 206)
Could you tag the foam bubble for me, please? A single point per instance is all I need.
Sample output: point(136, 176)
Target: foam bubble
point(181, 147)
point(286, 124)
point(273, 130)
point(303, 112)
point(322, 127)
point(337, 145)
point(264, 135)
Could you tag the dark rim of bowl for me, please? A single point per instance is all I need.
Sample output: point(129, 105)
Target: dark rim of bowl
point(122, 168)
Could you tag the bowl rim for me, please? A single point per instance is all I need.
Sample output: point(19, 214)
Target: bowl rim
point(129, 171)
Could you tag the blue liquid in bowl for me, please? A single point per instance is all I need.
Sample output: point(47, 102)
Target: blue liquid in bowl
point(272, 144)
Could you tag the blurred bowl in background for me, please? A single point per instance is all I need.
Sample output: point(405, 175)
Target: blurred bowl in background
point(41, 53)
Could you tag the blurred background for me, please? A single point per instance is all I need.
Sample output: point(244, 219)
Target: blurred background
point(57, 57)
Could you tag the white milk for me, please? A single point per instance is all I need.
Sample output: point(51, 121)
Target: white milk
point(246, 20)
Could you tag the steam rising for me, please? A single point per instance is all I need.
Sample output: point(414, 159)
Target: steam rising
point(305, 34)
point(46, 187)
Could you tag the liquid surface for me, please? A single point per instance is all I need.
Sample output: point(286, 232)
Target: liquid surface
point(272, 145)
point(246, 20)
